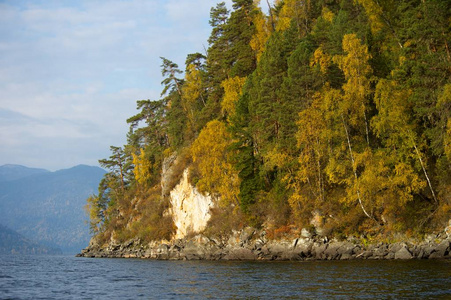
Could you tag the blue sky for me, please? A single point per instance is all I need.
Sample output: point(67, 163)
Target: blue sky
point(71, 72)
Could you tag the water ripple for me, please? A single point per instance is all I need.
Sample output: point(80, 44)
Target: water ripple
point(66, 277)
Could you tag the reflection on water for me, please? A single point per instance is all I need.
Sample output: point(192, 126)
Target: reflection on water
point(65, 277)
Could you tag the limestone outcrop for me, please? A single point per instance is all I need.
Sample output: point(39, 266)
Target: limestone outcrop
point(190, 209)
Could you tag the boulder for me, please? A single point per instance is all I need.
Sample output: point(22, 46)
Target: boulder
point(426, 250)
point(380, 251)
point(346, 248)
point(192, 251)
point(280, 250)
point(246, 235)
point(403, 253)
point(318, 250)
point(240, 254)
point(303, 248)
point(396, 247)
point(332, 251)
point(441, 250)
point(390, 255)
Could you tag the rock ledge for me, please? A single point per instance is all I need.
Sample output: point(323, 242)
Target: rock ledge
point(251, 244)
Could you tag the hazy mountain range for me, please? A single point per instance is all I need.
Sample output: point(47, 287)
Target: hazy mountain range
point(47, 207)
point(12, 242)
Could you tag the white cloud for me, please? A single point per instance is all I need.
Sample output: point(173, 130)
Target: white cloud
point(71, 71)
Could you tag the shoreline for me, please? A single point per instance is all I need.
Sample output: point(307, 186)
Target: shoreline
point(250, 244)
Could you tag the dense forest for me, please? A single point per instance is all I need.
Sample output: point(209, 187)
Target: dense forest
point(338, 110)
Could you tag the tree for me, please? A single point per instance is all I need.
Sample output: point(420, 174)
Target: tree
point(212, 158)
point(176, 116)
point(118, 164)
point(244, 152)
point(218, 62)
point(262, 33)
point(239, 32)
point(394, 125)
point(193, 96)
point(169, 70)
point(356, 68)
point(143, 167)
point(309, 180)
point(352, 105)
point(154, 133)
point(96, 211)
point(298, 12)
point(232, 91)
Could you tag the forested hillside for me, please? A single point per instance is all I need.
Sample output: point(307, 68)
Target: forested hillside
point(334, 110)
point(47, 207)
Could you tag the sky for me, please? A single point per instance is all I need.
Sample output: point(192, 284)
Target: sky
point(72, 71)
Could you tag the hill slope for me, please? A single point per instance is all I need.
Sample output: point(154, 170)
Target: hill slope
point(11, 172)
point(12, 242)
point(48, 206)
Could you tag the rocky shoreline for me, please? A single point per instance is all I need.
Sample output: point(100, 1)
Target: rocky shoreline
point(251, 244)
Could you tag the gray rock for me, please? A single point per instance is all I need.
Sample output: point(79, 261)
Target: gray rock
point(444, 248)
point(303, 249)
point(240, 254)
point(390, 255)
point(428, 249)
point(346, 256)
point(280, 250)
point(246, 235)
point(347, 248)
point(192, 251)
point(441, 250)
point(305, 233)
point(396, 247)
point(380, 251)
point(403, 253)
point(318, 250)
point(332, 251)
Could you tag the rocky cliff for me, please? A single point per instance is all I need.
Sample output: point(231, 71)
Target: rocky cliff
point(190, 211)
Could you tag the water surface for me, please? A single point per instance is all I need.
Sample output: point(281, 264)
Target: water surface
point(67, 277)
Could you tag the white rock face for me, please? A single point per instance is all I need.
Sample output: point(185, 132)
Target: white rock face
point(190, 209)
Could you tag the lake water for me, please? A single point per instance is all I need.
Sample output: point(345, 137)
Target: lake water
point(68, 277)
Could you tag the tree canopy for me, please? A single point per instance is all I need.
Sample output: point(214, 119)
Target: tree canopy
point(339, 109)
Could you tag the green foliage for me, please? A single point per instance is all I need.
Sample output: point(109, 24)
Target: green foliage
point(335, 110)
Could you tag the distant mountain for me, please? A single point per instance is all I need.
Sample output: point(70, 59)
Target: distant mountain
point(13, 172)
point(12, 242)
point(48, 207)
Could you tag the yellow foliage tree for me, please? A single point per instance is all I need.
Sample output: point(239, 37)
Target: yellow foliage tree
point(357, 70)
point(309, 179)
point(393, 124)
point(232, 92)
point(374, 12)
point(444, 104)
point(210, 154)
point(143, 167)
point(192, 92)
point(294, 10)
point(327, 14)
point(323, 60)
point(349, 109)
point(95, 213)
point(262, 33)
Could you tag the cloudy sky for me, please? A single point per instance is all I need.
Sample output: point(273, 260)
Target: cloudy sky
point(71, 72)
